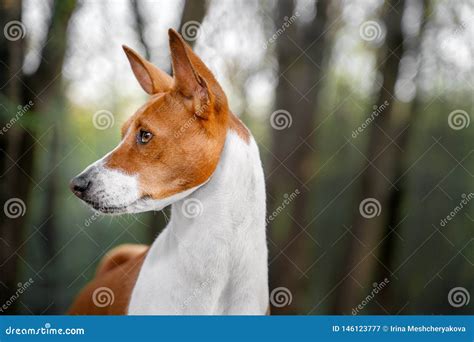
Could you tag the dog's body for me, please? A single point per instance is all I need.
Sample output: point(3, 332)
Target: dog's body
point(212, 256)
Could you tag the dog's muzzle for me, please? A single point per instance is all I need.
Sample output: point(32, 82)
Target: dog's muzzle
point(106, 190)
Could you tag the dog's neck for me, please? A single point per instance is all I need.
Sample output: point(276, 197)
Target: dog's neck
point(232, 197)
point(212, 256)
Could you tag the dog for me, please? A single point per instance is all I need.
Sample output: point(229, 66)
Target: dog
point(183, 148)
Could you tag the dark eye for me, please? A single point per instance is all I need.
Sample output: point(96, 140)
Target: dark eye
point(144, 137)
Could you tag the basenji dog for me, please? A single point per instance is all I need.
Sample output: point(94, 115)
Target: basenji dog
point(183, 147)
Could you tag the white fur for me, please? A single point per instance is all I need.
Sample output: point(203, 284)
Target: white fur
point(120, 191)
point(213, 260)
point(111, 188)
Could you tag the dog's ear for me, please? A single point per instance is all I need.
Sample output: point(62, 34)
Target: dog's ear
point(152, 79)
point(192, 77)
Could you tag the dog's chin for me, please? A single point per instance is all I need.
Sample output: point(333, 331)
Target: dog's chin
point(138, 206)
point(106, 209)
point(112, 209)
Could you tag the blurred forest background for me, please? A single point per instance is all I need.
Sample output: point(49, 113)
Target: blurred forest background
point(361, 110)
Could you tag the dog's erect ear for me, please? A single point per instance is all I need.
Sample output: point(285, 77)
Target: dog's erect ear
point(191, 76)
point(152, 79)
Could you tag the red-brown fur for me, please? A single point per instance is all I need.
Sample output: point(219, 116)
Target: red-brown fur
point(119, 256)
point(119, 279)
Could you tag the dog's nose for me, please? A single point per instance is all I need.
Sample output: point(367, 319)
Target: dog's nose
point(79, 185)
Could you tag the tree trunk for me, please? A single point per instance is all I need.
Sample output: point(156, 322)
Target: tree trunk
point(378, 174)
point(18, 145)
point(394, 216)
point(140, 26)
point(51, 106)
point(191, 19)
point(292, 151)
point(12, 144)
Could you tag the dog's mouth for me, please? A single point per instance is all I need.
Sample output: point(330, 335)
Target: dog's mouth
point(106, 209)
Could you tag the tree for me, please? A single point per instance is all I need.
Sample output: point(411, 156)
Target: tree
point(12, 144)
point(193, 11)
point(301, 53)
point(18, 146)
point(402, 138)
point(140, 26)
point(378, 173)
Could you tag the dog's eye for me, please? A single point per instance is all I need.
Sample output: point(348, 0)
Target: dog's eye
point(144, 137)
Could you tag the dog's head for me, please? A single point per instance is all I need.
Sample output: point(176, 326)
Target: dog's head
point(170, 146)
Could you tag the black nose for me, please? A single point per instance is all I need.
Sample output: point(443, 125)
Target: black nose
point(79, 185)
